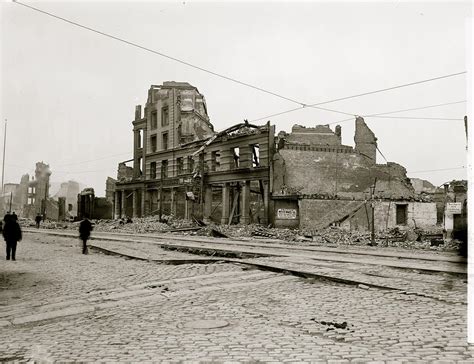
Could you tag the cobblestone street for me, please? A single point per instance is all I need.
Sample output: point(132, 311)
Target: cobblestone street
point(60, 305)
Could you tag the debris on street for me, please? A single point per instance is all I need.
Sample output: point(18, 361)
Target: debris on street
point(409, 238)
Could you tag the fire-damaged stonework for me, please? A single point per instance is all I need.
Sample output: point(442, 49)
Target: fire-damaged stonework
point(304, 179)
point(333, 183)
point(182, 167)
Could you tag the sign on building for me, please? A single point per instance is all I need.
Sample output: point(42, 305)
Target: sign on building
point(454, 207)
point(288, 214)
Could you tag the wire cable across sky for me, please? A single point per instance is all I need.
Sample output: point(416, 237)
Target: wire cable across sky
point(302, 104)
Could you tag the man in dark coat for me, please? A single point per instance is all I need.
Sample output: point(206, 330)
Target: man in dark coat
point(12, 234)
point(38, 220)
point(85, 228)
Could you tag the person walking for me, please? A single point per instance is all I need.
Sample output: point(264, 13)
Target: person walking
point(85, 228)
point(14, 216)
point(38, 220)
point(12, 234)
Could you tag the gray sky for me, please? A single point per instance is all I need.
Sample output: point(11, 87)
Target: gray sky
point(69, 94)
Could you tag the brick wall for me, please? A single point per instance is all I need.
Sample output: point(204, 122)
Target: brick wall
point(419, 214)
point(333, 173)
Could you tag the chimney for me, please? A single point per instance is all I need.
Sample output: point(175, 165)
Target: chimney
point(138, 112)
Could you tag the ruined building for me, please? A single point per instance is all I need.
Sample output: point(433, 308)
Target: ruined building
point(69, 191)
point(306, 178)
point(31, 196)
point(182, 167)
point(92, 207)
point(319, 181)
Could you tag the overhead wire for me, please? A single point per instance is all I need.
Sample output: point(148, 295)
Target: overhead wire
point(160, 54)
point(92, 160)
point(413, 118)
point(436, 170)
point(303, 105)
point(401, 110)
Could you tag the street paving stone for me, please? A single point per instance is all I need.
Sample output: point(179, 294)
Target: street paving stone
point(143, 311)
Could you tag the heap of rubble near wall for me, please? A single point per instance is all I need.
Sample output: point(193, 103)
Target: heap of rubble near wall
point(332, 184)
point(306, 179)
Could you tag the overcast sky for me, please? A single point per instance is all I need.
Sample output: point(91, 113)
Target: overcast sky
point(69, 94)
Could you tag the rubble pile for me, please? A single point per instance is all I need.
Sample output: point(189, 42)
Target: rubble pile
point(407, 238)
point(137, 225)
point(248, 231)
point(338, 236)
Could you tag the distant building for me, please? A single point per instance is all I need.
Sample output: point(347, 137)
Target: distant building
point(110, 189)
point(93, 207)
point(69, 191)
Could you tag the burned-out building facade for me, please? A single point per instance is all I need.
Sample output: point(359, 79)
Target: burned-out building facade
point(305, 179)
point(318, 181)
point(182, 167)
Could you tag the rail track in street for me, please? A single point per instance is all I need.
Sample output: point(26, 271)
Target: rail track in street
point(441, 262)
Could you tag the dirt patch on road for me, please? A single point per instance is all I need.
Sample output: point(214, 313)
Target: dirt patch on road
point(13, 282)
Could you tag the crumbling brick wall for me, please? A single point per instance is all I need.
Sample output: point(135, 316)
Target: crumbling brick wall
point(306, 166)
point(319, 135)
point(124, 173)
point(365, 141)
point(333, 173)
point(420, 214)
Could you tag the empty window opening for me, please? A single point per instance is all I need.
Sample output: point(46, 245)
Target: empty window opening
point(215, 160)
point(153, 170)
point(164, 169)
point(180, 165)
point(154, 119)
point(236, 154)
point(165, 117)
point(140, 166)
point(165, 141)
point(402, 214)
point(255, 155)
point(190, 164)
point(153, 143)
point(140, 139)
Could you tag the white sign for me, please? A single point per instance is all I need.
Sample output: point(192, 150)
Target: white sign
point(289, 214)
point(454, 207)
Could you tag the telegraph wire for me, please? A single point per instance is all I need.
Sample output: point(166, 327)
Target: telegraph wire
point(354, 115)
point(303, 105)
point(402, 110)
point(436, 170)
point(278, 114)
point(160, 54)
point(390, 88)
point(413, 117)
point(92, 160)
point(386, 161)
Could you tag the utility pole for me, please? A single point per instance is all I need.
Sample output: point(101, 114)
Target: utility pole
point(3, 163)
point(465, 128)
point(4, 146)
point(372, 205)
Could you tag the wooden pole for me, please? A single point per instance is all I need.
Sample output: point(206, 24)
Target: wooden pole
point(372, 204)
point(4, 148)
